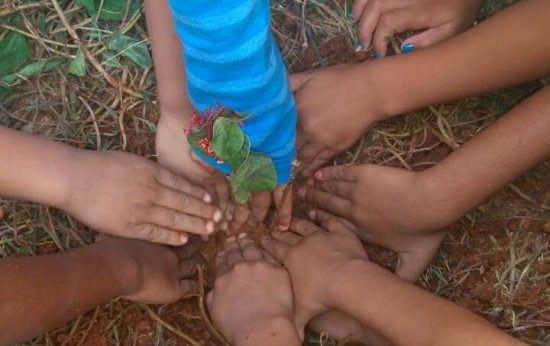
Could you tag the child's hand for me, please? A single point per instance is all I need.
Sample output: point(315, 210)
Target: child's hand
point(379, 20)
point(129, 196)
point(394, 208)
point(258, 207)
point(252, 295)
point(328, 121)
point(152, 273)
point(308, 246)
point(174, 153)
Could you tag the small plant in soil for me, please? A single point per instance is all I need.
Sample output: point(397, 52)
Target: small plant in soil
point(217, 134)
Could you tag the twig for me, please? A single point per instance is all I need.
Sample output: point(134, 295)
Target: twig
point(89, 329)
point(14, 9)
point(110, 79)
point(202, 308)
point(94, 120)
point(288, 187)
point(527, 198)
point(168, 326)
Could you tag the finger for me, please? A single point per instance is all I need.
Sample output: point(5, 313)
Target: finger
point(321, 217)
point(431, 36)
point(233, 252)
point(260, 203)
point(189, 249)
point(269, 258)
point(221, 263)
point(284, 206)
point(318, 162)
point(358, 7)
point(209, 299)
point(154, 233)
point(174, 220)
point(251, 252)
point(335, 225)
point(276, 248)
point(188, 204)
point(301, 318)
point(411, 265)
point(297, 80)
point(333, 204)
point(241, 215)
point(179, 183)
point(287, 237)
point(341, 189)
point(370, 16)
point(307, 153)
point(303, 227)
point(188, 267)
point(396, 21)
point(187, 287)
point(340, 173)
point(224, 194)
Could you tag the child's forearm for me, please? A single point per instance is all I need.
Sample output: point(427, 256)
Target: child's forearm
point(46, 291)
point(168, 58)
point(269, 332)
point(406, 314)
point(34, 169)
point(496, 53)
point(496, 156)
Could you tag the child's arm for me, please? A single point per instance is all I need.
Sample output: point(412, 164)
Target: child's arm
point(430, 200)
point(344, 279)
point(43, 292)
point(494, 54)
point(102, 189)
point(171, 144)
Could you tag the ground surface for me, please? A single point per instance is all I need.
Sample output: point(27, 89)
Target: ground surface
point(495, 261)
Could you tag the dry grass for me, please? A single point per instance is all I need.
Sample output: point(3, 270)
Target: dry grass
point(495, 261)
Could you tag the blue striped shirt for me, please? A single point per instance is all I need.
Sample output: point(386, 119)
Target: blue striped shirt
point(232, 60)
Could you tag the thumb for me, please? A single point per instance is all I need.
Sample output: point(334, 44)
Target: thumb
point(411, 265)
point(297, 80)
point(431, 36)
point(202, 164)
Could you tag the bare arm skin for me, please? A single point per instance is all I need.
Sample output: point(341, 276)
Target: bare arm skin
point(494, 54)
point(44, 292)
point(102, 190)
point(344, 279)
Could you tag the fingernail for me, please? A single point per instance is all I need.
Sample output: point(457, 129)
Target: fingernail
point(302, 191)
point(375, 55)
point(224, 226)
point(360, 47)
point(229, 215)
point(408, 48)
point(217, 216)
point(310, 182)
point(210, 227)
point(283, 228)
point(351, 15)
point(312, 214)
point(230, 239)
point(183, 238)
point(242, 236)
point(207, 198)
point(319, 175)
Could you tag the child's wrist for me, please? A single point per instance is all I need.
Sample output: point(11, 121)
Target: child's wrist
point(262, 329)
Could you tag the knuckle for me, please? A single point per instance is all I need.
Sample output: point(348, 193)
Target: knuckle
point(183, 201)
point(172, 218)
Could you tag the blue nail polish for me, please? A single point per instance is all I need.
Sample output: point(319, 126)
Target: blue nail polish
point(375, 55)
point(351, 15)
point(408, 48)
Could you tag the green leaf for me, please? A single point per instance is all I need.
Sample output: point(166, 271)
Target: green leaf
point(132, 49)
point(32, 70)
point(14, 52)
point(236, 161)
point(111, 9)
point(78, 65)
point(228, 138)
point(256, 174)
point(110, 59)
